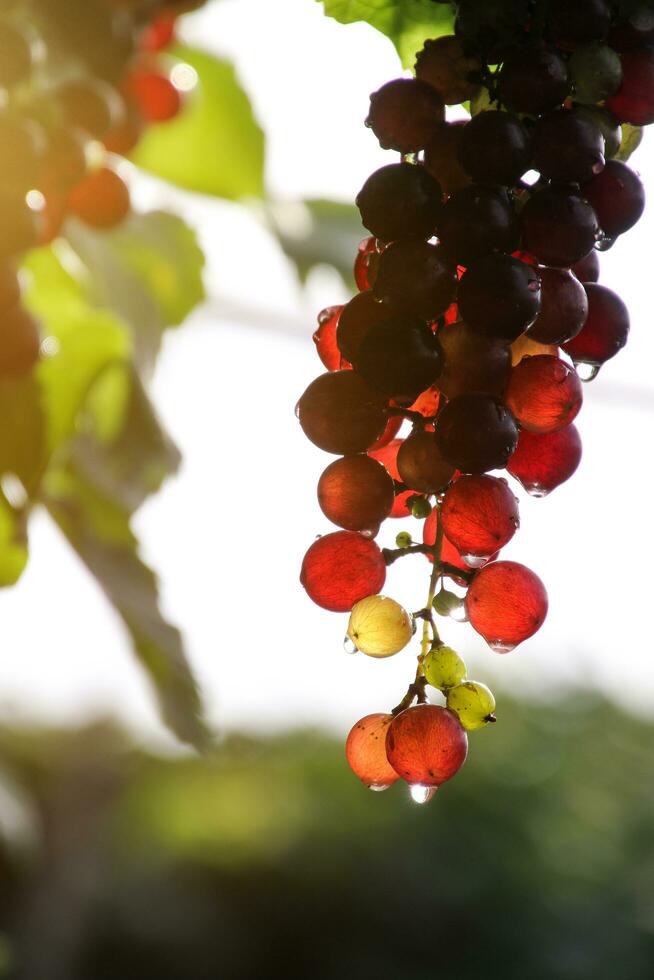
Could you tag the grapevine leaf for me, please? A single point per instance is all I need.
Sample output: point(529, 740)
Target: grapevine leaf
point(148, 271)
point(408, 23)
point(631, 139)
point(215, 145)
point(318, 231)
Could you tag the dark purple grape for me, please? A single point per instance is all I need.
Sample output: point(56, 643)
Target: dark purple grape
point(357, 317)
point(442, 156)
point(606, 328)
point(476, 221)
point(533, 79)
point(399, 358)
point(617, 196)
point(568, 146)
point(472, 362)
point(559, 225)
point(444, 64)
point(634, 27)
point(476, 433)
point(588, 268)
point(400, 200)
point(341, 414)
point(578, 22)
point(499, 296)
point(495, 148)
point(563, 307)
point(488, 26)
point(421, 465)
point(404, 113)
point(415, 277)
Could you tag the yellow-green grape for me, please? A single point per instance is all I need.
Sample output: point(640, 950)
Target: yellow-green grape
point(443, 668)
point(379, 626)
point(474, 704)
point(403, 540)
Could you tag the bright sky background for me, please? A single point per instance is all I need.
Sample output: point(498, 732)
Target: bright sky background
point(228, 534)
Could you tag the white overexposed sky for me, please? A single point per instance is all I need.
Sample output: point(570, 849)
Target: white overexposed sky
point(228, 534)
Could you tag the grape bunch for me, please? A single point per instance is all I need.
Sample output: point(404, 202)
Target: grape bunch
point(478, 316)
point(79, 82)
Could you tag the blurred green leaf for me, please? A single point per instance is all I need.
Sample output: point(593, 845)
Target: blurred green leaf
point(408, 23)
point(632, 137)
point(216, 145)
point(13, 543)
point(315, 232)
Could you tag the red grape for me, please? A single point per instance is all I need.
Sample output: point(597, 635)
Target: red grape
point(325, 338)
point(365, 751)
point(445, 64)
point(421, 465)
point(563, 307)
point(506, 603)
point(357, 317)
point(495, 148)
point(543, 462)
point(403, 114)
point(544, 393)
point(442, 156)
point(387, 455)
point(606, 328)
point(533, 79)
point(426, 744)
point(472, 362)
point(476, 433)
point(499, 296)
point(588, 268)
point(341, 568)
point(477, 220)
point(617, 196)
point(154, 95)
point(479, 515)
point(559, 226)
point(634, 101)
point(341, 414)
point(400, 200)
point(365, 264)
point(101, 200)
point(356, 493)
point(415, 277)
point(399, 358)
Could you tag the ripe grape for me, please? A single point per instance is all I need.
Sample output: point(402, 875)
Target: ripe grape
point(476, 433)
point(379, 626)
point(634, 100)
point(403, 114)
point(154, 95)
point(479, 515)
point(634, 26)
point(544, 393)
point(393, 426)
point(365, 751)
point(543, 462)
point(325, 338)
point(445, 64)
point(101, 200)
point(577, 23)
point(400, 200)
point(341, 414)
point(415, 277)
point(499, 296)
point(533, 79)
point(356, 493)
point(421, 465)
point(605, 331)
point(473, 703)
point(563, 308)
point(365, 264)
point(617, 196)
point(426, 744)
point(495, 148)
point(596, 73)
point(559, 226)
point(356, 318)
point(491, 24)
point(443, 668)
point(442, 156)
point(387, 456)
point(399, 358)
point(588, 268)
point(159, 33)
point(449, 553)
point(506, 603)
point(477, 220)
point(472, 362)
point(91, 104)
point(63, 161)
point(568, 146)
point(341, 568)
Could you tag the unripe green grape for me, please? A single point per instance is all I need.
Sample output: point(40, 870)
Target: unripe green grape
point(420, 507)
point(473, 702)
point(379, 627)
point(443, 668)
point(403, 540)
point(596, 72)
point(445, 602)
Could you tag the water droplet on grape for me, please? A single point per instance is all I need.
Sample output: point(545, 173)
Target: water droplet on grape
point(535, 490)
point(349, 645)
point(475, 561)
point(499, 646)
point(414, 625)
point(459, 614)
point(378, 787)
point(604, 243)
point(421, 794)
point(297, 411)
point(587, 372)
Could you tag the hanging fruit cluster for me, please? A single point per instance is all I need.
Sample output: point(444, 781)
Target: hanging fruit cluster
point(478, 317)
point(79, 82)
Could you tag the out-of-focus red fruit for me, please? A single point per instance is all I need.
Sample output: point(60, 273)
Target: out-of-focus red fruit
point(102, 200)
point(426, 744)
point(159, 33)
point(154, 95)
point(341, 568)
point(365, 751)
point(506, 603)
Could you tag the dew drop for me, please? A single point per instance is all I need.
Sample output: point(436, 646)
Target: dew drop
point(297, 411)
point(475, 561)
point(378, 787)
point(500, 646)
point(536, 490)
point(587, 372)
point(604, 243)
point(421, 794)
point(349, 645)
point(459, 613)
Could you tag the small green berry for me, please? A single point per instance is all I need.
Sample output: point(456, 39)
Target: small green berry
point(473, 702)
point(443, 668)
point(420, 507)
point(404, 540)
point(445, 602)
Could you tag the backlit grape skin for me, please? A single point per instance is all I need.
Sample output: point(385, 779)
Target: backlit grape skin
point(544, 393)
point(443, 668)
point(495, 148)
point(365, 751)
point(543, 462)
point(499, 296)
point(400, 201)
point(426, 744)
point(617, 196)
point(415, 277)
point(506, 603)
point(474, 704)
point(379, 626)
point(356, 493)
point(387, 455)
point(479, 515)
point(444, 64)
point(421, 465)
point(564, 306)
point(472, 362)
point(605, 331)
point(476, 433)
point(341, 414)
point(404, 113)
point(559, 225)
point(324, 338)
point(342, 568)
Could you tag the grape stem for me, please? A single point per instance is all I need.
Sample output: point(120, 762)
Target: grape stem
point(442, 567)
point(415, 417)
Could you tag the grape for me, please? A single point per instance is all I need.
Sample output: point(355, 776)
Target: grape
point(9, 287)
point(533, 79)
point(524, 346)
point(578, 23)
point(544, 394)
point(22, 143)
point(442, 156)
point(634, 27)
point(325, 338)
point(415, 277)
point(606, 328)
point(393, 426)
point(444, 64)
point(125, 135)
point(19, 342)
point(400, 200)
point(559, 226)
point(357, 317)
point(564, 307)
point(154, 95)
point(495, 148)
point(404, 113)
point(426, 744)
point(490, 24)
point(596, 73)
point(379, 626)
point(499, 296)
point(365, 751)
point(16, 55)
point(342, 568)
point(609, 127)
point(479, 515)
point(476, 433)
point(101, 200)
point(339, 413)
point(365, 264)
point(387, 455)
point(449, 553)
point(443, 668)
point(568, 146)
point(63, 161)
point(634, 100)
point(473, 703)
point(588, 268)
point(93, 105)
point(472, 362)
point(421, 465)
point(356, 493)
point(427, 403)
point(399, 358)
point(159, 33)
point(477, 220)
point(543, 462)
point(617, 196)
point(506, 603)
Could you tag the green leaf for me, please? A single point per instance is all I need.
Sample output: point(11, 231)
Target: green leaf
point(408, 23)
point(13, 542)
point(99, 531)
point(631, 139)
point(215, 145)
point(148, 271)
point(317, 231)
